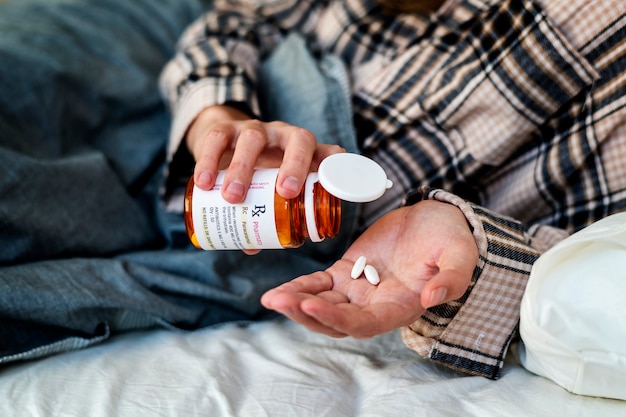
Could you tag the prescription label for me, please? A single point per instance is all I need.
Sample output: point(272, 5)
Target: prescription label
point(249, 225)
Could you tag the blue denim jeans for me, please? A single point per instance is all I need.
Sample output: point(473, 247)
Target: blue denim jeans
point(86, 247)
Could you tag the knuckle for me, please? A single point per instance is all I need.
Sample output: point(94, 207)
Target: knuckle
point(304, 135)
point(253, 132)
point(218, 134)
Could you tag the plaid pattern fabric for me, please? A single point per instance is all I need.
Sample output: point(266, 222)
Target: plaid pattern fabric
point(472, 334)
point(516, 108)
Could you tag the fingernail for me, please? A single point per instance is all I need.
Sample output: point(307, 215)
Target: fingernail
point(205, 177)
point(291, 184)
point(235, 189)
point(437, 297)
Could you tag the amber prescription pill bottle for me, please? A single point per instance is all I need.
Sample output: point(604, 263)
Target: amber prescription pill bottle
point(265, 220)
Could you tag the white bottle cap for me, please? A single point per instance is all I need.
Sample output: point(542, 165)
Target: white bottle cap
point(353, 177)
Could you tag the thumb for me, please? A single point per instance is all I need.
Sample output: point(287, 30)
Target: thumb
point(447, 285)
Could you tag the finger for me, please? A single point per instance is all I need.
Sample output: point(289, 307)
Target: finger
point(355, 321)
point(250, 143)
point(307, 284)
point(207, 151)
point(456, 266)
point(288, 304)
point(312, 324)
point(447, 285)
point(299, 148)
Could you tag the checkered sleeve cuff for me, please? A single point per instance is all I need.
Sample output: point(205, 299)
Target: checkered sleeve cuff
point(472, 334)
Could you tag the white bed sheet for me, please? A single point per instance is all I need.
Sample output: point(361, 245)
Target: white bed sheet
point(274, 368)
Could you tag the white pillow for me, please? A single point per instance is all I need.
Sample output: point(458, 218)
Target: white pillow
point(573, 313)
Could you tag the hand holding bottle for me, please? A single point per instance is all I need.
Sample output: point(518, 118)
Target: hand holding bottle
point(223, 137)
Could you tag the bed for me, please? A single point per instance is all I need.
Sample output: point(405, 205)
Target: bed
point(272, 368)
point(83, 133)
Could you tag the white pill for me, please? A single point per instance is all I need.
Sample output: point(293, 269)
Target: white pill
point(371, 274)
point(358, 267)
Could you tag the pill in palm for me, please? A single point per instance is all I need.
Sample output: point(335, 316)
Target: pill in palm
point(358, 267)
point(371, 274)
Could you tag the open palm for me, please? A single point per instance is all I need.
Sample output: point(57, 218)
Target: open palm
point(425, 255)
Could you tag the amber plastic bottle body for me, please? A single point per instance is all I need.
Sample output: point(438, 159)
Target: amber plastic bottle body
point(290, 217)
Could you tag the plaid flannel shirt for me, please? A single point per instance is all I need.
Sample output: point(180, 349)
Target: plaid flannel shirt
point(512, 110)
